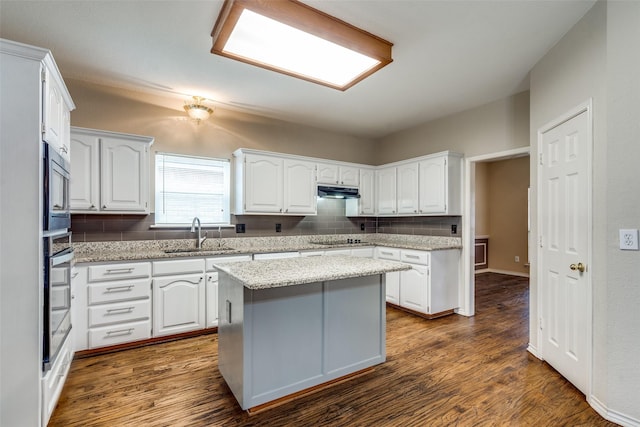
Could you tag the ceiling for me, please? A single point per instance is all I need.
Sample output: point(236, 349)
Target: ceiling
point(449, 56)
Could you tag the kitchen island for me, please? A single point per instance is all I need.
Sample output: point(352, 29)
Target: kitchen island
point(289, 325)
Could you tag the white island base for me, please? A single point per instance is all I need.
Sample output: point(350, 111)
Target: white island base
point(278, 341)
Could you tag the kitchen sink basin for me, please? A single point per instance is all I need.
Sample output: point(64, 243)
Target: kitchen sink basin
point(196, 250)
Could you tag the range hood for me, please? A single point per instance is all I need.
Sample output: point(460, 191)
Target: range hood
point(337, 192)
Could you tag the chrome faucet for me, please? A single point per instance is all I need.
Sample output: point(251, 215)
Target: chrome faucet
point(193, 230)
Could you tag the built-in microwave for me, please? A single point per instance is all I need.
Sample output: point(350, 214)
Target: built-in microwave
point(56, 207)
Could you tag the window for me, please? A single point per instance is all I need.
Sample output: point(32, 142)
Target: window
point(187, 187)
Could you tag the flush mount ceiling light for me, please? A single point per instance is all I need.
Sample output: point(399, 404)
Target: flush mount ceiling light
point(197, 110)
point(294, 39)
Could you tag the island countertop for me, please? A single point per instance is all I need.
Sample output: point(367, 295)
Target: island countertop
point(264, 274)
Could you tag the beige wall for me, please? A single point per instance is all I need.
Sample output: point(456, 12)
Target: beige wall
point(482, 199)
point(508, 182)
point(598, 60)
point(101, 107)
point(571, 73)
point(498, 126)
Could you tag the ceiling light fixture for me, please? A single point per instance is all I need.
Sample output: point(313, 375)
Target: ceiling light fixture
point(294, 39)
point(197, 110)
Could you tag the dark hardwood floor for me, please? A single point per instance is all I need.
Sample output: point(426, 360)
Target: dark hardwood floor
point(452, 371)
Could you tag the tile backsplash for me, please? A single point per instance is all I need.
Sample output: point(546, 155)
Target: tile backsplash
point(330, 219)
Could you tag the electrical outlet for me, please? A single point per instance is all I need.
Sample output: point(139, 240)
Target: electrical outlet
point(362, 226)
point(629, 239)
point(454, 229)
point(240, 228)
point(278, 228)
point(517, 258)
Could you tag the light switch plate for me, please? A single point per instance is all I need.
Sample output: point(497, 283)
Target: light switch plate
point(629, 239)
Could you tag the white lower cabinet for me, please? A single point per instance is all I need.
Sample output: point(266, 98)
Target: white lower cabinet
point(55, 378)
point(430, 287)
point(178, 296)
point(112, 304)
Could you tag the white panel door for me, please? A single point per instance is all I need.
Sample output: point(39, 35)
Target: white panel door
point(178, 304)
point(263, 184)
point(328, 173)
point(85, 173)
point(211, 292)
point(300, 192)
point(386, 191)
point(53, 113)
point(123, 171)
point(433, 185)
point(408, 189)
point(392, 287)
point(564, 221)
point(349, 176)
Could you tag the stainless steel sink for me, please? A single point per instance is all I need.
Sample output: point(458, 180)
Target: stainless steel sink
point(196, 250)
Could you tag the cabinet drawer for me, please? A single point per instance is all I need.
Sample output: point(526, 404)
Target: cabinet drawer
point(101, 273)
point(125, 290)
point(119, 334)
point(415, 257)
point(237, 258)
point(178, 266)
point(389, 253)
point(126, 311)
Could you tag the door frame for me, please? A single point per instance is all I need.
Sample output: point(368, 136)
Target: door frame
point(585, 107)
point(466, 302)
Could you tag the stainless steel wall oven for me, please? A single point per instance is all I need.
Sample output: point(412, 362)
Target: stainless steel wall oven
point(58, 260)
point(56, 207)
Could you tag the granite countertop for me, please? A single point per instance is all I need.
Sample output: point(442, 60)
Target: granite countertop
point(264, 274)
point(158, 249)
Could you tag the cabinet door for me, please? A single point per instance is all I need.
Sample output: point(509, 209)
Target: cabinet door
point(263, 184)
point(124, 178)
point(299, 187)
point(178, 304)
point(414, 288)
point(393, 287)
point(211, 292)
point(408, 189)
point(386, 191)
point(433, 185)
point(349, 176)
point(367, 192)
point(85, 173)
point(53, 112)
point(328, 174)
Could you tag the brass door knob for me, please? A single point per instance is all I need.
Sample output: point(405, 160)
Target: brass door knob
point(579, 266)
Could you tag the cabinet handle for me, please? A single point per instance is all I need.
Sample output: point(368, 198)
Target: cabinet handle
point(412, 256)
point(64, 149)
point(119, 270)
point(120, 310)
point(228, 311)
point(74, 275)
point(56, 206)
point(125, 288)
point(120, 332)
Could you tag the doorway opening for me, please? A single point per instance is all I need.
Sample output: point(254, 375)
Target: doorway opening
point(467, 300)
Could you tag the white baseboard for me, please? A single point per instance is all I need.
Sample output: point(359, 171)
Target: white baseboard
point(533, 350)
point(495, 270)
point(610, 415)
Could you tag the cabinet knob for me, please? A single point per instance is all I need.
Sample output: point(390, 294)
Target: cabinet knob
point(280, 209)
point(104, 206)
point(92, 207)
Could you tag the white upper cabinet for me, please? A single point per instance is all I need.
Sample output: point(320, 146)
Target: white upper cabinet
point(366, 204)
point(386, 191)
point(441, 185)
point(110, 173)
point(299, 187)
point(85, 176)
point(274, 184)
point(407, 190)
point(334, 174)
point(56, 115)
